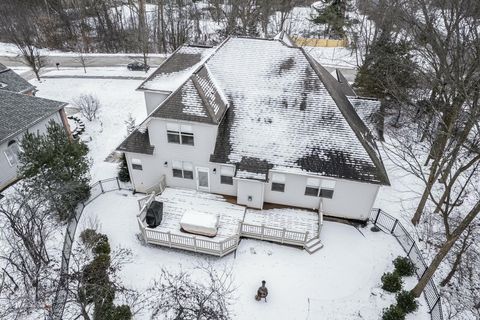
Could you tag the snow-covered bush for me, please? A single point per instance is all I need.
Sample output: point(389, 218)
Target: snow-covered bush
point(392, 282)
point(406, 301)
point(404, 267)
point(393, 313)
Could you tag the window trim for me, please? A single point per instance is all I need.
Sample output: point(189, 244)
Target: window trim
point(278, 182)
point(180, 134)
point(226, 175)
point(179, 168)
point(312, 187)
point(328, 187)
point(12, 153)
point(136, 164)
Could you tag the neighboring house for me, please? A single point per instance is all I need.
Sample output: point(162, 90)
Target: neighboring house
point(258, 119)
point(21, 112)
point(10, 81)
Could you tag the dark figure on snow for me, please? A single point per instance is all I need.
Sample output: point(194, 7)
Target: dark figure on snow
point(262, 292)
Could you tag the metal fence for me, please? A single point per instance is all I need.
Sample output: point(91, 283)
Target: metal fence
point(96, 189)
point(392, 225)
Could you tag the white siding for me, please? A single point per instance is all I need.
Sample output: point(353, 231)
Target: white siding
point(250, 193)
point(353, 200)
point(199, 154)
point(8, 173)
point(153, 100)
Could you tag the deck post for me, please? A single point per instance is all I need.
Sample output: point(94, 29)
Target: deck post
point(283, 235)
point(263, 230)
point(195, 243)
point(306, 237)
point(169, 239)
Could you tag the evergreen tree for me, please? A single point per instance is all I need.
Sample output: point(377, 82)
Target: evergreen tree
point(56, 168)
point(123, 173)
point(386, 74)
point(333, 15)
point(95, 284)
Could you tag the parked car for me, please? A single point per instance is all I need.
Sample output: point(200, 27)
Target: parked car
point(135, 66)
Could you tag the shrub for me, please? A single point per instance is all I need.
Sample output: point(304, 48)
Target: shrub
point(391, 282)
point(404, 267)
point(406, 301)
point(393, 313)
point(88, 105)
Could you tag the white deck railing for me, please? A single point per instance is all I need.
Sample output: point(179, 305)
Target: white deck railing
point(274, 234)
point(223, 247)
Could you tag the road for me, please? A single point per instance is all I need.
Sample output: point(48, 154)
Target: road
point(91, 61)
point(122, 60)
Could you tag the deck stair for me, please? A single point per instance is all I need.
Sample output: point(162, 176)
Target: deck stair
point(313, 245)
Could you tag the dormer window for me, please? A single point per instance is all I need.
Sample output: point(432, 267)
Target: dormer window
point(181, 134)
point(12, 153)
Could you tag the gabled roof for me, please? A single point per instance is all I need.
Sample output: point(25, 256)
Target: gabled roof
point(10, 81)
point(198, 99)
point(18, 112)
point(137, 142)
point(177, 68)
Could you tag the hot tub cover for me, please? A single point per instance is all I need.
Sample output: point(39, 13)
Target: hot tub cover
point(200, 223)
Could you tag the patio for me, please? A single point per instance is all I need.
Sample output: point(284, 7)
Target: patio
point(287, 226)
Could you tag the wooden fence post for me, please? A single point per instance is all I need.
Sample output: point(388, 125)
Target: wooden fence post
point(118, 183)
point(195, 243)
point(306, 237)
point(283, 235)
point(169, 239)
point(263, 230)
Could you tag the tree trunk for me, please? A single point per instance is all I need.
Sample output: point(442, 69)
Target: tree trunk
point(444, 250)
point(456, 263)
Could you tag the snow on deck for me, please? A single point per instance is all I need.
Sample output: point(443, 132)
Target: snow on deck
point(177, 201)
point(288, 218)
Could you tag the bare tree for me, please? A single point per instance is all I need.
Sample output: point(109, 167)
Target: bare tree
point(178, 296)
point(27, 227)
point(88, 105)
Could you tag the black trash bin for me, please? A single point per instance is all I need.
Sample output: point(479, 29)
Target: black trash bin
point(154, 214)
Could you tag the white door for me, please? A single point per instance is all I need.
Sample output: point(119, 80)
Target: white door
point(203, 179)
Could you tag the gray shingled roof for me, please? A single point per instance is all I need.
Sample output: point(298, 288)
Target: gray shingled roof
point(284, 109)
point(18, 112)
point(198, 100)
point(10, 81)
point(176, 69)
point(137, 142)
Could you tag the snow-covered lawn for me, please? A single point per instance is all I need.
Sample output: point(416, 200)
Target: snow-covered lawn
point(118, 98)
point(120, 71)
point(341, 281)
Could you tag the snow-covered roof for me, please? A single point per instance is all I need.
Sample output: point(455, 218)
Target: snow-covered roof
point(18, 112)
point(284, 110)
point(283, 36)
point(10, 81)
point(177, 68)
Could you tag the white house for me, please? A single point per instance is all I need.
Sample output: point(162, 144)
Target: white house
point(21, 112)
point(260, 120)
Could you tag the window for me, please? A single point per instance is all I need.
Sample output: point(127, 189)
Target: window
point(12, 152)
point(173, 133)
point(181, 134)
point(137, 164)
point(186, 134)
point(278, 182)
point(226, 174)
point(182, 169)
point(313, 187)
point(327, 188)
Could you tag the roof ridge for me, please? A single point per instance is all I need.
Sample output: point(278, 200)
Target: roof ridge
point(336, 94)
point(200, 91)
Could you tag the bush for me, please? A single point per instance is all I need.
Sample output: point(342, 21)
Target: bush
point(393, 313)
point(97, 241)
point(88, 105)
point(406, 301)
point(404, 267)
point(391, 282)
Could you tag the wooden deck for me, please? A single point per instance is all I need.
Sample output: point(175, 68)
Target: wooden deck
point(282, 225)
